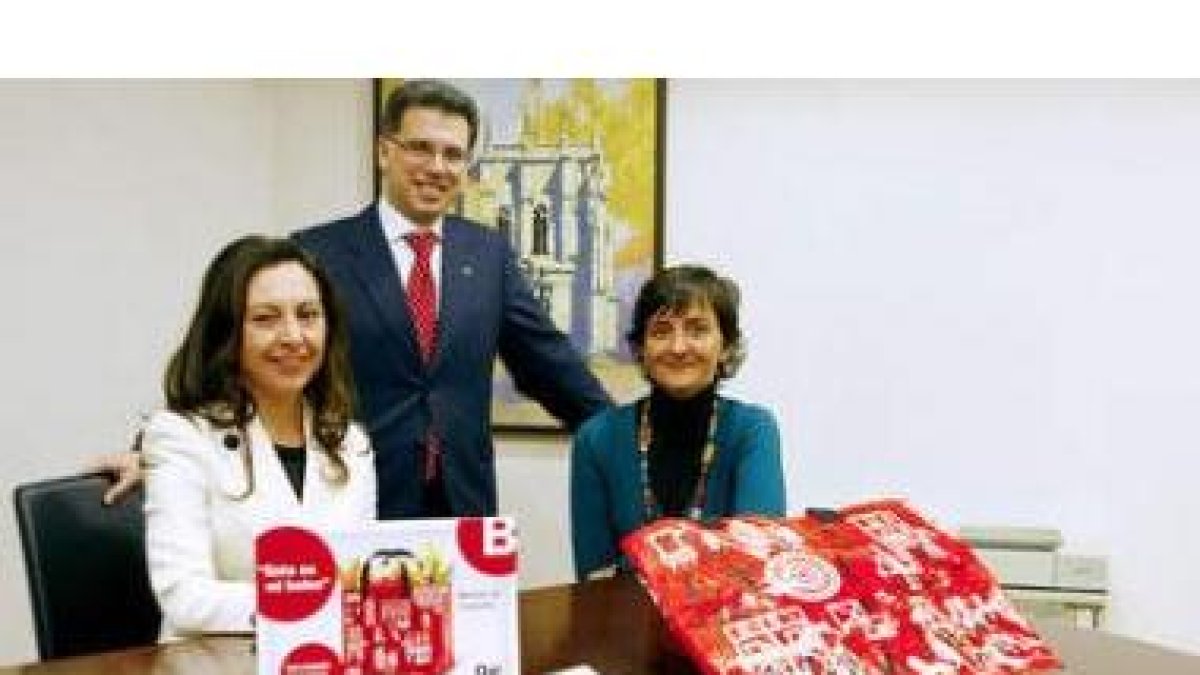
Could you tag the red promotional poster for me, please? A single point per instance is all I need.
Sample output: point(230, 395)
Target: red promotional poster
point(418, 597)
point(875, 590)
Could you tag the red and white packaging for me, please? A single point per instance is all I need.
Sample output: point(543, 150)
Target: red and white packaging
point(419, 597)
point(876, 590)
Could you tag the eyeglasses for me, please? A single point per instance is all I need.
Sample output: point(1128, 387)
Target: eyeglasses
point(421, 152)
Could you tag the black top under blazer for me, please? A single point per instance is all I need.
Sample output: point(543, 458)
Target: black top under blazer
point(486, 309)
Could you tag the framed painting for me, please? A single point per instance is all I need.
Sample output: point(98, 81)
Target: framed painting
point(571, 171)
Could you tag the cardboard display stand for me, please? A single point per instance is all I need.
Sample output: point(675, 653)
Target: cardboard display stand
point(421, 597)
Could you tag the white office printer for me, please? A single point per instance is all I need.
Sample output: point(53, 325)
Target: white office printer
point(1038, 577)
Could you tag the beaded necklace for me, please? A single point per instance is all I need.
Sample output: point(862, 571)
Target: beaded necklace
point(652, 509)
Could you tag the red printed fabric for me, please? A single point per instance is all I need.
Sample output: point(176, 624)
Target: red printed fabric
point(879, 590)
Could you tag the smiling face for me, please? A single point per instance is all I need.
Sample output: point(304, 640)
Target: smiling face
point(283, 333)
point(424, 161)
point(683, 349)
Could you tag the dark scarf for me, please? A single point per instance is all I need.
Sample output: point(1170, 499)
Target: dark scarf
point(680, 430)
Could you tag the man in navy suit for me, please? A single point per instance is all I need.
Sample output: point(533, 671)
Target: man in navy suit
point(429, 412)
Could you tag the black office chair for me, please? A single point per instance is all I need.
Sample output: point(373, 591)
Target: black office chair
point(86, 565)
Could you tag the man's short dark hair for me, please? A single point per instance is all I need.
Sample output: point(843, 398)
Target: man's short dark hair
point(435, 94)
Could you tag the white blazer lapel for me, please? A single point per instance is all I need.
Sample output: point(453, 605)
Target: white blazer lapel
point(229, 472)
point(317, 470)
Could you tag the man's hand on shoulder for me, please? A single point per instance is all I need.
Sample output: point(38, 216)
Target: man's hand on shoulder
point(125, 468)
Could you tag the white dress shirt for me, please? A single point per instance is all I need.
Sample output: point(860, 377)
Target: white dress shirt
point(395, 226)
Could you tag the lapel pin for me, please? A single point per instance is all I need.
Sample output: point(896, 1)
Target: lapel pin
point(467, 270)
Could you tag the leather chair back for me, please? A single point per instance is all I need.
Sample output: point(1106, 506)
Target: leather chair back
point(86, 565)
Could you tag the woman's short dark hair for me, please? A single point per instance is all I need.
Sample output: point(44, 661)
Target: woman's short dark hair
point(204, 376)
point(434, 94)
point(679, 287)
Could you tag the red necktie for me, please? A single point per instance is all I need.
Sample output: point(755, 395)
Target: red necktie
point(422, 305)
point(422, 293)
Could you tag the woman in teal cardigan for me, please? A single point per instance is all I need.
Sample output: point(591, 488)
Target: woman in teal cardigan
point(683, 451)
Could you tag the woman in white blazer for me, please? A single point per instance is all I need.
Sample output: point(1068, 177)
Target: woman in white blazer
point(256, 433)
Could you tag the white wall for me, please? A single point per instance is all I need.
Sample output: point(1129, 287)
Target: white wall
point(976, 295)
point(113, 197)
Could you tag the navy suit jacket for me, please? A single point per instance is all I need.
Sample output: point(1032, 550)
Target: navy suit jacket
point(485, 310)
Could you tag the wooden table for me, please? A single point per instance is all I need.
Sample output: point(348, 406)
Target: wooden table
point(609, 625)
